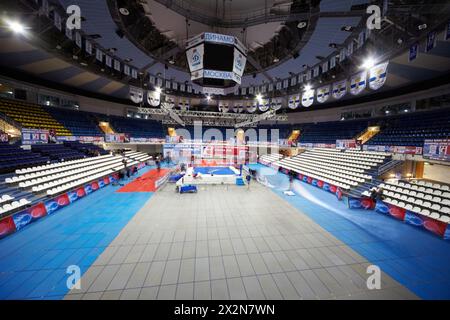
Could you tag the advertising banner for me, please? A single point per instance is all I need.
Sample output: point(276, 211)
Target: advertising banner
point(34, 136)
point(117, 138)
point(437, 149)
point(346, 144)
point(195, 58)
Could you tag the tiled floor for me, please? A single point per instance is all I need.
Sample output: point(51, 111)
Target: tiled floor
point(226, 242)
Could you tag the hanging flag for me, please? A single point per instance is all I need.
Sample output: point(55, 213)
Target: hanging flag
point(117, 65)
point(88, 46)
point(285, 83)
point(361, 39)
point(293, 81)
point(431, 41)
point(134, 73)
point(332, 62)
point(270, 87)
point(153, 98)
point(308, 75)
point(308, 98)
point(57, 20)
point(126, 70)
point(276, 104)
point(358, 83)
point(108, 61)
point(252, 106)
point(342, 54)
point(264, 105)
point(99, 54)
point(136, 94)
point(378, 75)
point(78, 40)
point(297, 101)
point(237, 107)
point(325, 67)
point(350, 48)
point(300, 78)
point(243, 91)
point(323, 93)
point(316, 71)
point(339, 89)
point(291, 102)
point(279, 85)
point(413, 52)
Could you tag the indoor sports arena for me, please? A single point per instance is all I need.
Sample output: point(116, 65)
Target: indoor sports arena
point(252, 150)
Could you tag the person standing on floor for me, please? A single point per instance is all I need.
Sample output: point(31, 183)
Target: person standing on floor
point(248, 177)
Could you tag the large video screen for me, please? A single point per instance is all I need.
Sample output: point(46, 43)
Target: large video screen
point(218, 57)
point(437, 149)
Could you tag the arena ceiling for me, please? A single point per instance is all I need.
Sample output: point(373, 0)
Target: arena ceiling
point(255, 22)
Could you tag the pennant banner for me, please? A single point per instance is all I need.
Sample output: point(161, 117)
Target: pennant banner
point(251, 107)
point(431, 41)
point(136, 94)
point(358, 83)
point(377, 76)
point(264, 105)
point(153, 98)
point(99, 54)
point(413, 52)
point(57, 21)
point(308, 98)
point(339, 89)
point(323, 93)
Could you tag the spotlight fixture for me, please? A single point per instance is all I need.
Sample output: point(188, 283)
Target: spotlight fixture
point(275, 60)
point(422, 26)
point(124, 11)
point(158, 90)
point(16, 27)
point(302, 24)
point(307, 87)
point(347, 28)
point(208, 97)
point(368, 63)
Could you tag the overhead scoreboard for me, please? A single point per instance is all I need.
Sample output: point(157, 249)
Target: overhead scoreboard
point(216, 60)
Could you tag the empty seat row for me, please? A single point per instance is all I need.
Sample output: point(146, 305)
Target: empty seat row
point(14, 205)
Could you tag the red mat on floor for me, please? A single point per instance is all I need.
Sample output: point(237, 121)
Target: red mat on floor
point(145, 183)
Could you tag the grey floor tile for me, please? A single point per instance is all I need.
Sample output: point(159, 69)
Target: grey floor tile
point(231, 267)
point(138, 276)
point(187, 271)
point(219, 290)
point(202, 290)
point(171, 272)
point(148, 293)
point(155, 274)
point(167, 292)
point(185, 291)
point(216, 268)
point(316, 284)
point(269, 287)
point(258, 264)
point(285, 286)
point(130, 294)
point(236, 289)
point(111, 295)
point(104, 278)
point(121, 277)
point(201, 269)
point(253, 288)
point(300, 284)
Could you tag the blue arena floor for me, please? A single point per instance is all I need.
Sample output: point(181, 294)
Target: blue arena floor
point(33, 262)
point(415, 258)
point(220, 171)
